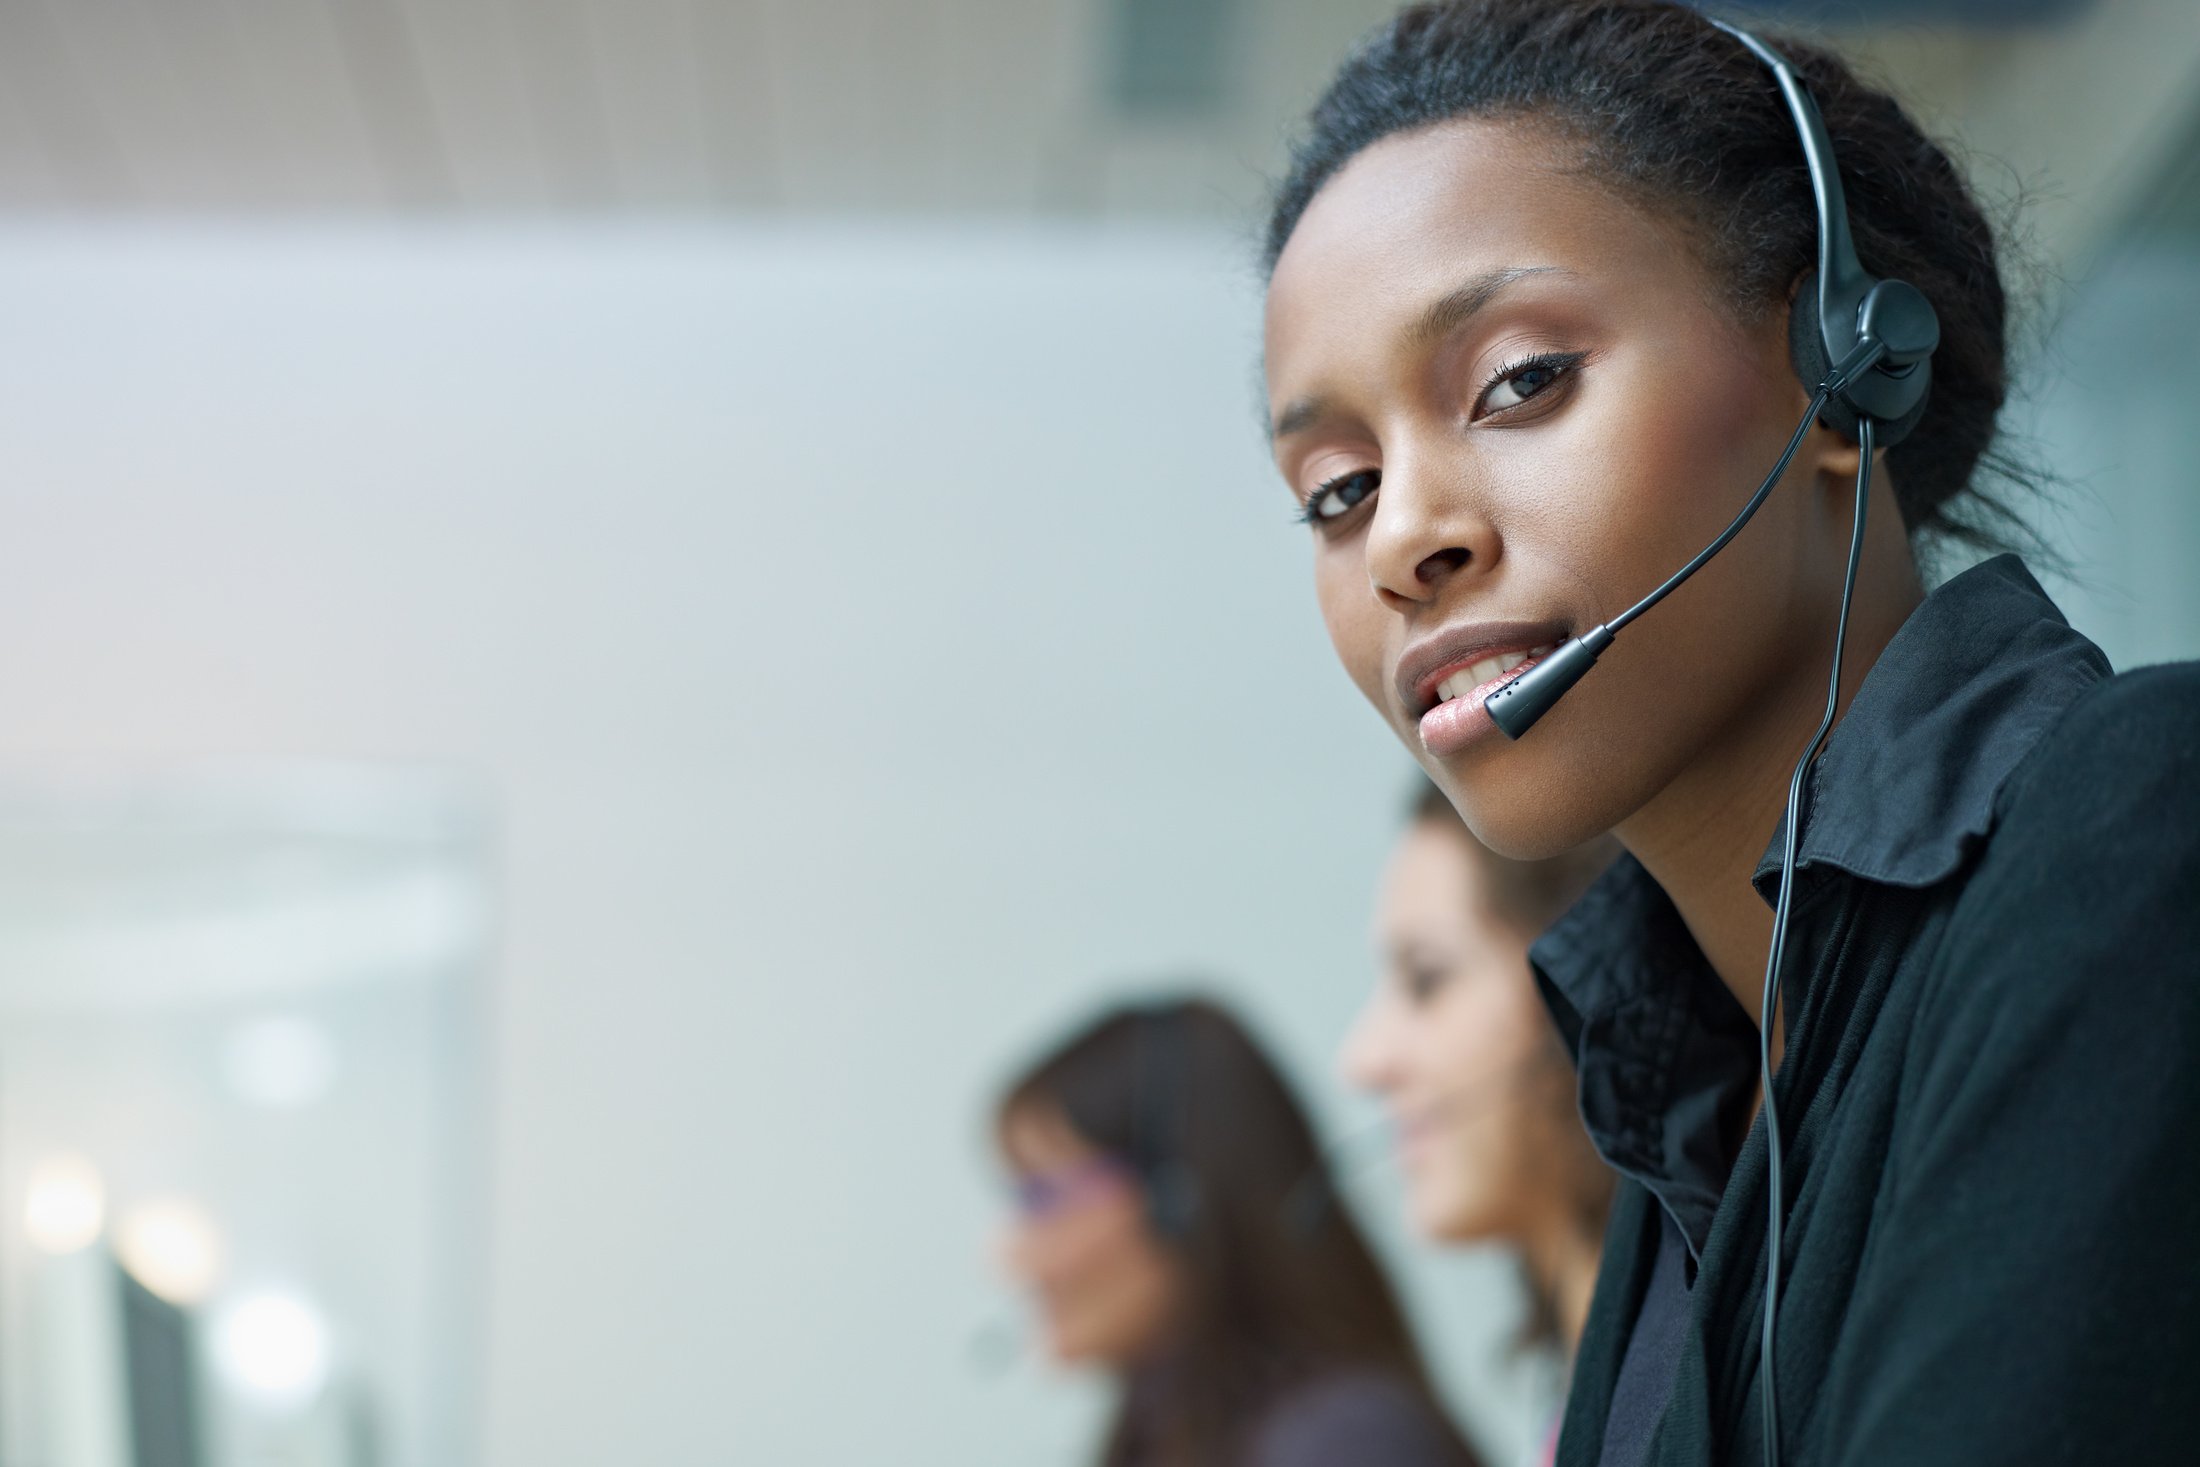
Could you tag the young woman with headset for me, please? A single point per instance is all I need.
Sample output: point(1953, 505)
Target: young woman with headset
point(1176, 1227)
point(1621, 364)
point(1480, 1091)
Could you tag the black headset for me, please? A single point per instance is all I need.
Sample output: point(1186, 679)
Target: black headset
point(1162, 1085)
point(1867, 345)
point(1159, 1081)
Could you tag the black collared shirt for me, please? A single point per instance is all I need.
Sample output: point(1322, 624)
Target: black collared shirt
point(1990, 1093)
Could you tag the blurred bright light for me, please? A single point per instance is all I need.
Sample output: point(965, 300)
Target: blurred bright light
point(172, 1247)
point(66, 1206)
point(273, 1348)
point(280, 1063)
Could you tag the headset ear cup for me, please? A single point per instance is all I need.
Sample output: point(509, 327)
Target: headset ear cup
point(1807, 350)
point(1890, 431)
point(1172, 1200)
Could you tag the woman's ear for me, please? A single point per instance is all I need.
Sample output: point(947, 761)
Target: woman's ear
point(1835, 458)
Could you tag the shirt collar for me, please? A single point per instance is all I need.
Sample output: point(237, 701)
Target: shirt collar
point(1663, 1055)
point(1905, 789)
point(1903, 794)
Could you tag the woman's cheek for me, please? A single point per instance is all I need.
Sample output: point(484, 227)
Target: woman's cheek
point(1584, 507)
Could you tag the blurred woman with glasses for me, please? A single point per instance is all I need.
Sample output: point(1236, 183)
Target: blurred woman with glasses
point(1176, 1228)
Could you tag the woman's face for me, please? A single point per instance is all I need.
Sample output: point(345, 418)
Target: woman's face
point(1512, 404)
point(1082, 1246)
point(1459, 1045)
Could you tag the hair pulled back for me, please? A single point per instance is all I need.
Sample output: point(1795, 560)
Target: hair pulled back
point(1662, 105)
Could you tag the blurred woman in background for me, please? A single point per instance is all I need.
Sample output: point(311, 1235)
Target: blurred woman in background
point(1457, 1041)
point(1176, 1225)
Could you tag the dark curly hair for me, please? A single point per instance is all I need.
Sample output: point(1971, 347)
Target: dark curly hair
point(1678, 116)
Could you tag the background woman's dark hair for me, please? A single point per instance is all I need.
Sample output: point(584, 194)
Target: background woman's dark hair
point(1662, 105)
point(1280, 1284)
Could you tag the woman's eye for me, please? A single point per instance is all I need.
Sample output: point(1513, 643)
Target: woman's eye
point(1424, 983)
point(1515, 385)
point(1338, 497)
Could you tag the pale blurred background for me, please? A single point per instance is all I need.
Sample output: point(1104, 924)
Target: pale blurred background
point(609, 607)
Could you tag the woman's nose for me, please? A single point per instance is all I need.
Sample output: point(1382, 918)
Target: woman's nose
point(1426, 531)
point(1369, 1056)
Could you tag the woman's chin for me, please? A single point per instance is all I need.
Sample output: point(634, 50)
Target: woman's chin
point(1065, 1349)
point(1435, 1212)
point(1441, 1216)
point(1520, 814)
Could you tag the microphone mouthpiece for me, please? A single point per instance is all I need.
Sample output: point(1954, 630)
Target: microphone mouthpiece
point(1516, 706)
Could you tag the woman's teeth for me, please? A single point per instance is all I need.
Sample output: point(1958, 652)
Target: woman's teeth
point(1467, 679)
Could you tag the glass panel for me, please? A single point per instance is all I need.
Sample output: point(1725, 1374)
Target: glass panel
point(240, 1125)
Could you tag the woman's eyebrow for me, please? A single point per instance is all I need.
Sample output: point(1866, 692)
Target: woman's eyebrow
point(1298, 417)
point(1445, 314)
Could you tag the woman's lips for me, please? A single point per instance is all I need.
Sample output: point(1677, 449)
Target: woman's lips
point(1458, 721)
point(1416, 1138)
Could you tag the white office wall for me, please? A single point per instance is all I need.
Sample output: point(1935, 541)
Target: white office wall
point(2106, 411)
point(879, 645)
